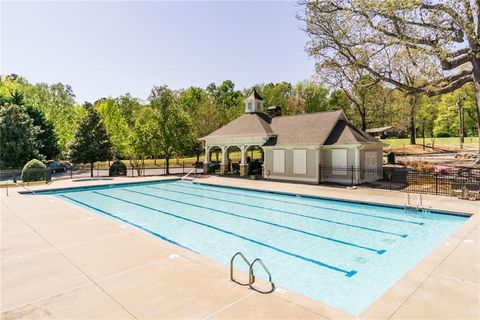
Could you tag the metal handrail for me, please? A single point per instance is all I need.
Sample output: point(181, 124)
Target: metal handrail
point(28, 189)
point(419, 202)
point(406, 202)
point(252, 276)
point(231, 268)
point(185, 176)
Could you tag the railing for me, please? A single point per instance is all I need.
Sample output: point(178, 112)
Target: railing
point(12, 176)
point(443, 182)
point(251, 275)
point(186, 176)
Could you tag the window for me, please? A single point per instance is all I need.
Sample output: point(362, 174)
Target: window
point(279, 161)
point(339, 161)
point(250, 106)
point(300, 161)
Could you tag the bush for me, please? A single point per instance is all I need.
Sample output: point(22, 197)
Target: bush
point(118, 168)
point(34, 170)
point(391, 157)
point(443, 134)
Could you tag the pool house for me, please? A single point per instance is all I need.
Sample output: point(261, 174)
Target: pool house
point(310, 148)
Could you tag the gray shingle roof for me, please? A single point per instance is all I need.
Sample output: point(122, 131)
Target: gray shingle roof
point(345, 133)
point(304, 129)
point(329, 127)
point(249, 124)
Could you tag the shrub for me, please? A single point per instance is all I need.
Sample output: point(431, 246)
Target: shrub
point(34, 170)
point(442, 134)
point(118, 168)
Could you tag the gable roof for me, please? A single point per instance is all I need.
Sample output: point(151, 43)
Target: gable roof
point(306, 128)
point(249, 124)
point(345, 133)
point(322, 128)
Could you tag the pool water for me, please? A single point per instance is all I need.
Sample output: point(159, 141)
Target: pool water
point(343, 254)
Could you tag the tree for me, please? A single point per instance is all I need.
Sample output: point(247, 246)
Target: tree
point(58, 105)
point(448, 112)
point(47, 138)
point(314, 96)
point(115, 124)
point(439, 40)
point(141, 138)
point(229, 100)
point(18, 137)
point(129, 107)
point(91, 143)
point(172, 135)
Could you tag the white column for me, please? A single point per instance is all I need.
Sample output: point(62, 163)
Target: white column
point(207, 154)
point(243, 149)
point(224, 154)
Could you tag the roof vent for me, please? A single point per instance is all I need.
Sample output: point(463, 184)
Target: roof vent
point(274, 111)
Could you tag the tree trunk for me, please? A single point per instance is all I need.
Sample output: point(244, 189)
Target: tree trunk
point(411, 125)
point(461, 130)
point(91, 169)
point(167, 165)
point(364, 121)
point(476, 83)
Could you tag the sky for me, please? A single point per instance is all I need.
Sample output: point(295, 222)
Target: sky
point(110, 48)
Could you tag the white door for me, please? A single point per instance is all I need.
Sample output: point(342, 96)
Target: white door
point(371, 171)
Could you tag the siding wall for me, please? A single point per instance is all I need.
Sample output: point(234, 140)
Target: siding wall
point(310, 176)
point(324, 157)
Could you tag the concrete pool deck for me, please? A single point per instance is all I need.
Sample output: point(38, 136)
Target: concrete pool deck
point(59, 260)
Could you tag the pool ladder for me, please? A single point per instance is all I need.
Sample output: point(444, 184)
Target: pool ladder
point(251, 276)
point(418, 205)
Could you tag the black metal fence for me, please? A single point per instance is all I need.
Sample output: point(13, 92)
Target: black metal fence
point(9, 176)
point(445, 181)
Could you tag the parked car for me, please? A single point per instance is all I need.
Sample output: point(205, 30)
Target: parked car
point(56, 166)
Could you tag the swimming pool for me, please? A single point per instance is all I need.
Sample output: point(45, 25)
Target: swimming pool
point(343, 254)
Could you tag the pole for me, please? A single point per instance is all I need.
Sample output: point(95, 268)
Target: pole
point(352, 176)
point(319, 173)
point(423, 133)
point(461, 119)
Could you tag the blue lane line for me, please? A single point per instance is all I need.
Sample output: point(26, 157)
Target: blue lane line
point(290, 213)
point(126, 221)
point(262, 221)
point(319, 263)
point(307, 205)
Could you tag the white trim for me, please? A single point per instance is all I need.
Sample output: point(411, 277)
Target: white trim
point(289, 178)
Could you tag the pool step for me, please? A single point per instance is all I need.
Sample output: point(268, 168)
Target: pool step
point(251, 276)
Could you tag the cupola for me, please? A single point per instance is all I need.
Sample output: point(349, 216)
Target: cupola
point(254, 103)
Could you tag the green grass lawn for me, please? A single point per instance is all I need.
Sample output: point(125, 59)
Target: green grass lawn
point(188, 161)
point(438, 141)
